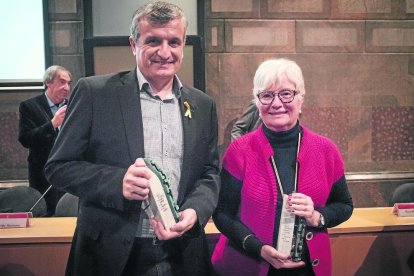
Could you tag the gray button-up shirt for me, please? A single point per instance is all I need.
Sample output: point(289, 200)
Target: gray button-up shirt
point(163, 137)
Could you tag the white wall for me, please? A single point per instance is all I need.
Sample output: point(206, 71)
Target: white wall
point(22, 48)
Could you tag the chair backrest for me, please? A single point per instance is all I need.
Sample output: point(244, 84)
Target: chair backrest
point(67, 206)
point(403, 194)
point(21, 199)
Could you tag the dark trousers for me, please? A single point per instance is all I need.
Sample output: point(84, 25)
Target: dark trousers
point(301, 271)
point(154, 258)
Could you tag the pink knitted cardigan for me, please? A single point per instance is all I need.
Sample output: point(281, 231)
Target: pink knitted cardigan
point(247, 159)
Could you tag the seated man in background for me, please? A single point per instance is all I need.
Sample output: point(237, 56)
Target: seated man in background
point(40, 119)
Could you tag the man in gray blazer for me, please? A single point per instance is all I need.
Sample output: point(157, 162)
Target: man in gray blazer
point(112, 122)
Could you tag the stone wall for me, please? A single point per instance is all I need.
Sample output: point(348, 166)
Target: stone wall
point(358, 64)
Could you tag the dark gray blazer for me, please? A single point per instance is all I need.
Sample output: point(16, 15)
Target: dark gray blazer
point(37, 133)
point(100, 138)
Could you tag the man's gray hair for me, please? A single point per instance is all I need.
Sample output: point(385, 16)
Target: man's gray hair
point(52, 71)
point(157, 13)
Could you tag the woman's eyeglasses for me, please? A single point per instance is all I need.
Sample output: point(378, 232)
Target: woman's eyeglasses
point(285, 96)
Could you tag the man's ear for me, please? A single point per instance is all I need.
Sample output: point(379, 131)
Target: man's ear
point(132, 44)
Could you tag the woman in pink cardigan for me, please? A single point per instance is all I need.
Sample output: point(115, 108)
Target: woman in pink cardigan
point(280, 164)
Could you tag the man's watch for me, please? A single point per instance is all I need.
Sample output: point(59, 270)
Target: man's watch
point(321, 222)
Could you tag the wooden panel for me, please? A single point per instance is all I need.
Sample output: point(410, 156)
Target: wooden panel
point(34, 259)
point(384, 253)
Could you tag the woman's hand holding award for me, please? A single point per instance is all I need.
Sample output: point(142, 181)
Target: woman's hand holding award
point(291, 233)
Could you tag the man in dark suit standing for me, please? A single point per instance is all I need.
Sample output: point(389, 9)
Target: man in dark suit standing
point(39, 123)
point(115, 120)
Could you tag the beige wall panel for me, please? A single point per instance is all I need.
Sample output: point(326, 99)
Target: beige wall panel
point(232, 9)
point(410, 6)
point(372, 9)
point(299, 9)
point(260, 36)
point(295, 6)
point(361, 6)
point(66, 38)
point(214, 35)
point(330, 36)
point(390, 36)
point(232, 6)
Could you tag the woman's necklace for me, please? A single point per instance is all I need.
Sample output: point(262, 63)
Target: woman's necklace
point(291, 231)
point(296, 169)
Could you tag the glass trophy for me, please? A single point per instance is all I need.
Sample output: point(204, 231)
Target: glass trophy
point(291, 233)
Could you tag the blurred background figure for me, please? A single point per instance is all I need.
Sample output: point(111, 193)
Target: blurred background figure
point(248, 121)
point(39, 124)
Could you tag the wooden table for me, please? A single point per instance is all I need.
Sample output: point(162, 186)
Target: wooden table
point(41, 249)
point(372, 242)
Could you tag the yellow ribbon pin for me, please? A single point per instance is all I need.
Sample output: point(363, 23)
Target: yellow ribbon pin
point(188, 110)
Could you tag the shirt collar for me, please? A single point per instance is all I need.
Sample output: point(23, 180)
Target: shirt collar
point(49, 101)
point(144, 85)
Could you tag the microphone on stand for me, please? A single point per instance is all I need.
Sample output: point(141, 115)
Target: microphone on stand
point(19, 218)
point(43, 195)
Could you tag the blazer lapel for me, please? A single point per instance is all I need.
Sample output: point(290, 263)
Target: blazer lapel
point(44, 107)
point(189, 127)
point(128, 96)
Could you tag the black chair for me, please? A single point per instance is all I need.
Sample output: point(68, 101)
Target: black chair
point(22, 199)
point(403, 194)
point(67, 206)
